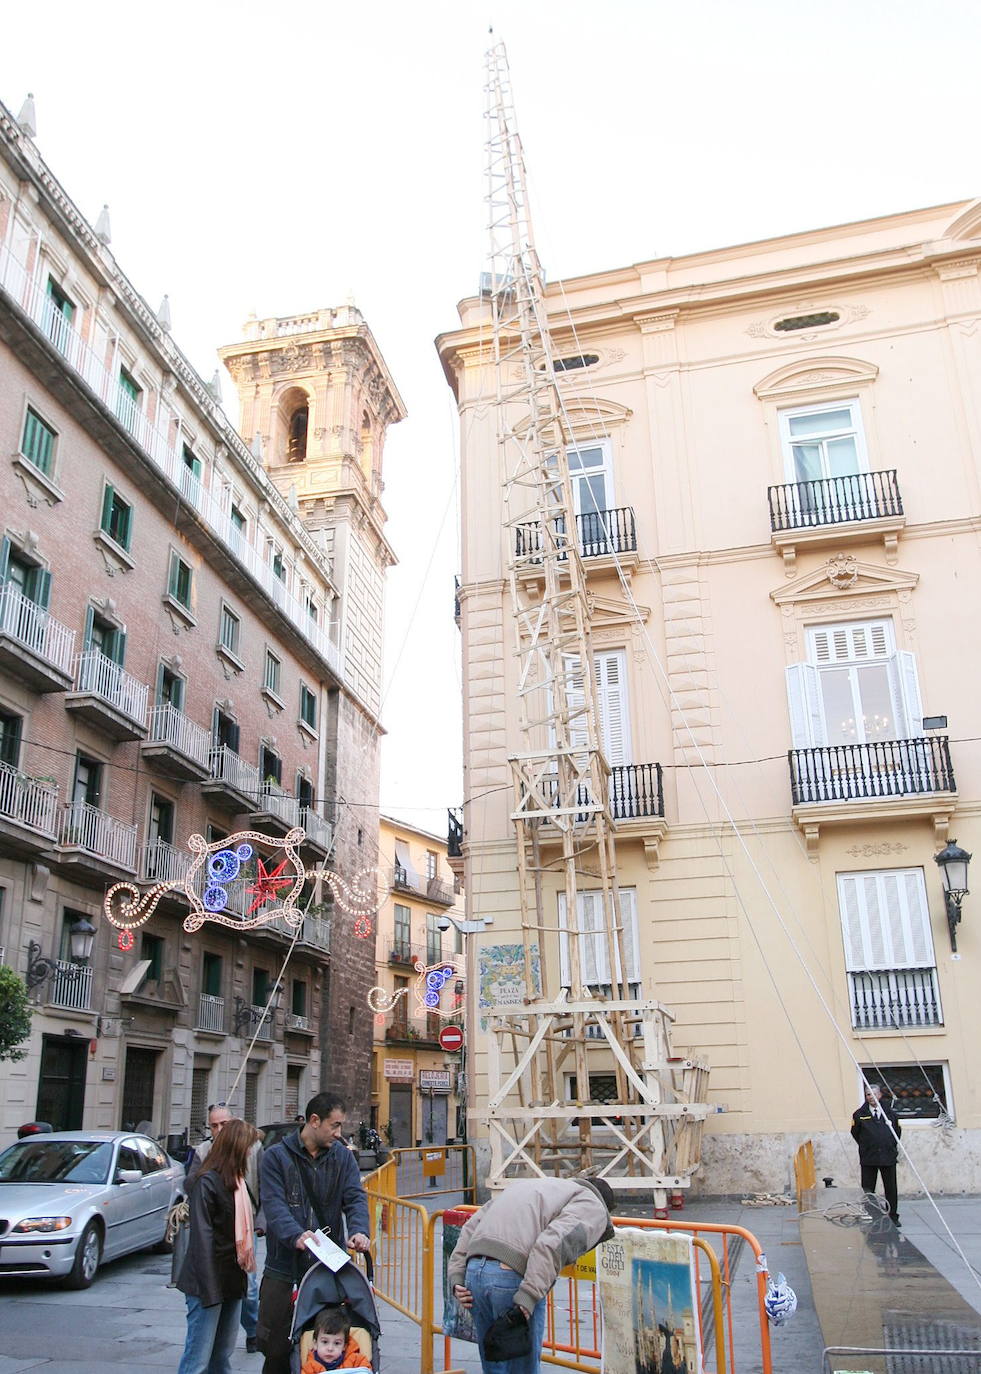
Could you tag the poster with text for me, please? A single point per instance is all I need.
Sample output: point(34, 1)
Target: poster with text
point(501, 973)
point(649, 1295)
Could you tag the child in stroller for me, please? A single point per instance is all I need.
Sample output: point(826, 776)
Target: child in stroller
point(333, 1345)
point(330, 1306)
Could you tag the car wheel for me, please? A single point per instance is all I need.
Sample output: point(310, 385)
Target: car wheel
point(87, 1258)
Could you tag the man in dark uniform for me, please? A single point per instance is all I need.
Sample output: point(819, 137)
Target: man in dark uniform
point(876, 1131)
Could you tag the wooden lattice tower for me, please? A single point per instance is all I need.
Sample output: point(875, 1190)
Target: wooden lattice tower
point(561, 813)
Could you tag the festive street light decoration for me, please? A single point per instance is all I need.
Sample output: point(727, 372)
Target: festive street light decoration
point(427, 990)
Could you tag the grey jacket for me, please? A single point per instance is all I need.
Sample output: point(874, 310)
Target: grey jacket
point(536, 1226)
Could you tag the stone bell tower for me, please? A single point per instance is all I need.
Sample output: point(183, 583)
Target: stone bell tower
point(316, 401)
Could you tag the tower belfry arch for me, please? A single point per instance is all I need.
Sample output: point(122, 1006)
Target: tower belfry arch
point(581, 1017)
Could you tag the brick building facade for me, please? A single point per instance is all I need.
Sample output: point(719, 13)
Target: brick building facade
point(179, 654)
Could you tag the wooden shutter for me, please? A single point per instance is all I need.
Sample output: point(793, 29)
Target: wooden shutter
point(107, 496)
point(89, 627)
point(117, 650)
point(904, 689)
point(233, 733)
point(4, 559)
point(42, 588)
point(593, 957)
point(807, 727)
point(611, 681)
point(885, 920)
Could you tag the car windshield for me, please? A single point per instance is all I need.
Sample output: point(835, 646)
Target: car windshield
point(56, 1161)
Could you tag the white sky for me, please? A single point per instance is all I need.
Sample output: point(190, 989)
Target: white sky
point(278, 158)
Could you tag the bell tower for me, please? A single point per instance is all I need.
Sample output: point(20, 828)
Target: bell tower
point(316, 400)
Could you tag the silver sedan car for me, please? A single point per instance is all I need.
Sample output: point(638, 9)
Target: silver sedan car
point(71, 1199)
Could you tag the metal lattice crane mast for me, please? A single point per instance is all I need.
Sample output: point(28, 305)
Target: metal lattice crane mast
point(648, 1136)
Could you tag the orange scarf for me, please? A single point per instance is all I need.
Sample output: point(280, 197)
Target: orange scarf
point(244, 1228)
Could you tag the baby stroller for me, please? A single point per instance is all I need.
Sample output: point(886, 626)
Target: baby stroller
point(348, 1288)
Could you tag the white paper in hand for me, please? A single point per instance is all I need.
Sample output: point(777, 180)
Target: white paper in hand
point(321, 1245)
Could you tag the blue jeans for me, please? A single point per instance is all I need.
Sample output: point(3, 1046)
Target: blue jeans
point(250, 1307)
point(210, 1339)
point(493, 1287)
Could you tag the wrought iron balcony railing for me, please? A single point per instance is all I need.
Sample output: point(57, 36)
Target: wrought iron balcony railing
point(883, 999)
point(855, 772)
point(454, 833)
point(28, 800)
point(600, 534)
point(33, 628)
point(87, 827)
point(99, 676)
point(834, 500)
point(71, 986)
point(636, 791)
point(211, 1012)
point(170, 726)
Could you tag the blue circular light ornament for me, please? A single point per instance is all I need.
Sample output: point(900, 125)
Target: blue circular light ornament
point(224, 866)
point(215, 898)
point(244, 853)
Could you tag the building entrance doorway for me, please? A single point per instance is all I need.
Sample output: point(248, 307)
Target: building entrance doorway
point(400, 1108)
point(139, 1082)
point(434, 1117)
point(61, 1085)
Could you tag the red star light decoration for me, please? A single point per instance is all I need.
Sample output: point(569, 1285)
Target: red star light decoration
point(266, 886)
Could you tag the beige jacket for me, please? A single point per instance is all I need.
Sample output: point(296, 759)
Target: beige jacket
point(536, 1226)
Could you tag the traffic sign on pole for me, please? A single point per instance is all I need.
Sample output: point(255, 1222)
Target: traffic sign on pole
point(451, 1039)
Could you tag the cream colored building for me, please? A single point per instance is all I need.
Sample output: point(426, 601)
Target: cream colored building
point(415, 1083)
point(777, 479)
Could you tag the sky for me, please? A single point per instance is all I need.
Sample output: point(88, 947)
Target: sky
point(279, 159)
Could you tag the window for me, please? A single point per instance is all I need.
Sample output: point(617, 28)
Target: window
point(28, 578)
point(919, 1092)
point(224, 730)
point(10, 735)
point(260, 987)
point(400, 1014)
point(312, 609)
point(238, 520)
point(591, 474)
point(432, 864)
point(270, 766)
point(228, 630)
point(37, 442)
point(170, 688)
point(304, 791)
point(271, 675)
point(308, 707)
point(434, 939)
point(299, 997)
point(87, 786)
point(179, 582)
point(128, 384)
point(815, 321)
point(191, 461)
point(297, 447)
point(152, 1158)
point(152, 948)
point(128, 400)
point(58, 315)
point(889, 954)
point(593, 953)
point(103, 637)
point(855, 688)
point(611, 703)
point(823, 441)
point(278, 566)
point(211, 974)
point(403, 929)
point(602, 1088)
point(117, 517)
point(161, 819)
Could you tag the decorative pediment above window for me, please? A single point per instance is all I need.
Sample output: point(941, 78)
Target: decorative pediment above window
point(587, 417)
point(812, 378)
point(967, 224)
point(608, 613)
point(844, 576)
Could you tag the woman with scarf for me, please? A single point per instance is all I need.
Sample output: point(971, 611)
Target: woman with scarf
point(220, 1253)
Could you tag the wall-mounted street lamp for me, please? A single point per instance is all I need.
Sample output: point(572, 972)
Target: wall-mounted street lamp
point(81, 938)
point(245, 1014)
point(464, 927)
point(953, 862)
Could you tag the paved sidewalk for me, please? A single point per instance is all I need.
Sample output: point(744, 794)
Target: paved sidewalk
point(129, 1317)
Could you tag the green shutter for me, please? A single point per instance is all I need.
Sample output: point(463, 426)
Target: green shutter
point(160, 684)
point(117, 650)
point(89, 626)
point(4, 559)
point(42, 588)
point(107, 496)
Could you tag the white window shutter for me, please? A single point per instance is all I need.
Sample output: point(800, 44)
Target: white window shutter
point(611, 683)
point(592, 945)
point(851, 922)
point(575, 697)
point(565, 973)
point(876, 950)
point(885, 920)
point(904, 670)
point(807, 729)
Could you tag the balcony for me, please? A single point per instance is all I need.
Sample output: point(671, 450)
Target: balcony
point(160, 862)
point(404, 954)
point(835, 510)
point(93, 840)
point(891, 779)
point(892, 999)
point(28, 810)
point(414, 1031)
point(71, 986)
point(34, 647)
point(636, 794)
point(314, 932)
point(606, 539)
point(176, 745)
point(432, 889)
point(233, 782)
point(211, 1014)
point(108, 697)
point(297, 1023)
point(319, 833)
point(275, 809)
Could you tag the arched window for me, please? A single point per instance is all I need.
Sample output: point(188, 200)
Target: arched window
point(297, 446)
